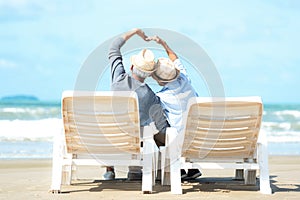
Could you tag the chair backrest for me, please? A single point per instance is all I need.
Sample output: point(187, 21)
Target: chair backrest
point(101, 122)
point(222, 128)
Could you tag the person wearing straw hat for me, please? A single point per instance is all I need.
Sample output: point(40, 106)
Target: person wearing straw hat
point(176, 92)
point(150, 110)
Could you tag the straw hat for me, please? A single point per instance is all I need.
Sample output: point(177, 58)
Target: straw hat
point(144, 61)
point(165, 71)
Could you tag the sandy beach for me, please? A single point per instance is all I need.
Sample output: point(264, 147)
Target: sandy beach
point(31, 179)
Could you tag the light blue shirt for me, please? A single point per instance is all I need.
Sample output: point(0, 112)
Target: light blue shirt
point(175, 95)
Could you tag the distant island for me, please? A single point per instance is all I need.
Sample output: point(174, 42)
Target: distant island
point(20, 98)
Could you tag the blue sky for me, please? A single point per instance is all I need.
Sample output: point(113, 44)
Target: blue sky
point(254, 44)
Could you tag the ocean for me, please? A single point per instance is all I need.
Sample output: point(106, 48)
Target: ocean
point(27, 128)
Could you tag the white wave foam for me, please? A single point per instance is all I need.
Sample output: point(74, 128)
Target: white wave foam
point(45, 129)
point(26, 155)
point(284, 138)
point(35, 110)
point(31, 130)
point(13, 110)
point(283, 135)
point(29, 113)
point(273, 126)
point(265, 112)
point(293, 113)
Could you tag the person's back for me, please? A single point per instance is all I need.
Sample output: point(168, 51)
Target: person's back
point(150, 109)
point(175, 94)
point(149, 104)
point(176, 91)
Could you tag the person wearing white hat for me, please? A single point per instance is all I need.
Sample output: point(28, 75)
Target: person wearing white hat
point(150, 110)
point(176, 92)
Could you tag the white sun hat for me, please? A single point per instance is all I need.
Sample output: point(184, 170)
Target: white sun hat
point(165, 71)
point(144, 61)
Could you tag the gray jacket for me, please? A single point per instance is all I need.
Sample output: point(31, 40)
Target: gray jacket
point(149, 104)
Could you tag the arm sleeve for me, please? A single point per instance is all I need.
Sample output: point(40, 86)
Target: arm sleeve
point(115, 59)
point(182, 69)
point(180, 66)
point(157, 115)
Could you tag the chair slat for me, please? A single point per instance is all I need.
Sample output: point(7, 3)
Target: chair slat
point(223, 124)
point(229, 109)
point(220, 144)
point(101, 123)
point(226, 127)
point(208, 134)
point(75, 149)
point(229, 154)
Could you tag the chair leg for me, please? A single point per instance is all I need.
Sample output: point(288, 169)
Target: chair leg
point(57, 162)
point(239, 174)
point(156, 161)
point(175, 177)
point(174, 152)
point(158, 168)
point(67, 170)
point(262, 153)
point(165, 167)
point(156, 164)
point(154, 171)
point(74, 173)
point(167, 180)
point(148, 159)
point(250, 177)
point(147, 174)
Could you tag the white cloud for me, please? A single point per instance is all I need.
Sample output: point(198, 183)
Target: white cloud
point(6, 64)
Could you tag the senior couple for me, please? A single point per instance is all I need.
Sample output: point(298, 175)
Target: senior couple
point(164, 108)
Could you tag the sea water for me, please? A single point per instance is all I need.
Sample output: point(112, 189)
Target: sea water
point(27, 128)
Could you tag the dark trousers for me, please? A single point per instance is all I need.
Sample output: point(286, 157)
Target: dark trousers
point(159, 139)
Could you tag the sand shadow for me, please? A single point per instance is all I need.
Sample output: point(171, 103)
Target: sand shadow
point(117, 184)
point(283, 187)
point(228, 184)
point(203, 184)
point(212, 184)
point(126, 185)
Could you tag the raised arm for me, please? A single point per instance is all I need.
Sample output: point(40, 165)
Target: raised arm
point(134, 31)
point(114, 55)
point(172, 55)
point(119, 42)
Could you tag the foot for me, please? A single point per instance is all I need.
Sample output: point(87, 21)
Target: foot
point(109, 175)
point(183, 174)
point(134, 175)
point(193, 173)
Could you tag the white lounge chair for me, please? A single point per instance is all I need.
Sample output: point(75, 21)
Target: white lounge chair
point(102, 128)
point(220, 133)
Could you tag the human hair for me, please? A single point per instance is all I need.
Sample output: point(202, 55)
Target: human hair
point(140, 73)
